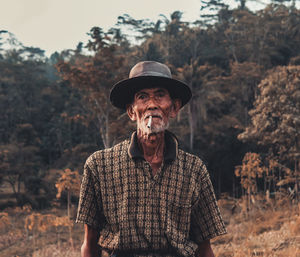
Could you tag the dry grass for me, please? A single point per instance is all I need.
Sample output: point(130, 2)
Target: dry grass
point(43, 236)
point(261, 231)
point(266, 230)
point(54, 250)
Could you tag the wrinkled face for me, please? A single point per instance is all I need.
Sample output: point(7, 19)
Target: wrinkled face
point(155, 102)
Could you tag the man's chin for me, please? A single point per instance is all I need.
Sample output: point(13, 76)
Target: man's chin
point(156, 128)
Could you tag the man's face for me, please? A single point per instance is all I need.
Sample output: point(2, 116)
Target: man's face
point(155, 102)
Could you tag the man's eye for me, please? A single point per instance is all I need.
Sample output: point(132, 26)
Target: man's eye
point(141, 97)
point(161, 94)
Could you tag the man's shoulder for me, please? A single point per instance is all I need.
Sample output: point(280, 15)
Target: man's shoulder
point(193, 161)
point(108, 153)
point(182, 154)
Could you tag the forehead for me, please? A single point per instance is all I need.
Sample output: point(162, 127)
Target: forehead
point(152, 90)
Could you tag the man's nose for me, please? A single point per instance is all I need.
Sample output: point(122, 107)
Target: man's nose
point(152, 102)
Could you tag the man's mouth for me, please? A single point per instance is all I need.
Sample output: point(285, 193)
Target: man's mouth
point(153, 116)
point(154, 122)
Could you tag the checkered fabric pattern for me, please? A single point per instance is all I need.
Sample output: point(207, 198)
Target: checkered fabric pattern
point(137, 213)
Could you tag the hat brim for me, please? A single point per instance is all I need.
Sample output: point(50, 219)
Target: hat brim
point(123, 92)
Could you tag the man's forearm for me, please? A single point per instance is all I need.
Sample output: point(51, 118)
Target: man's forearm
point(205, 250)
point(90, 247)
point(90, 251)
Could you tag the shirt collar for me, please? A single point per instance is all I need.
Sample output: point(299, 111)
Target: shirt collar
point(170, 151)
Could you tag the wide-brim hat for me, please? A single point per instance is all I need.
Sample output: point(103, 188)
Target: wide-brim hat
point(148, 74)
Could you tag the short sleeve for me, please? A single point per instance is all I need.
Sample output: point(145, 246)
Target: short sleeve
point(206, 220)
point(90, 207)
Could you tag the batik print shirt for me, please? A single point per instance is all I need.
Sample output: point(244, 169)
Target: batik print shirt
point(137, 213)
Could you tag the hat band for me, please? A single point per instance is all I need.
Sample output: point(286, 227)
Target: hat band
point(152, 73)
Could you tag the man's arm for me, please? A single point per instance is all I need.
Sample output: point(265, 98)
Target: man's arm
point(90, 247)
point(204, 250)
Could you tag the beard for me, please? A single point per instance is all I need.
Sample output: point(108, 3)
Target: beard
point(156, 127)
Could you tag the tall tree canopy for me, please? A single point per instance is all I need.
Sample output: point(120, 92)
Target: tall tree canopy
point(275, 118)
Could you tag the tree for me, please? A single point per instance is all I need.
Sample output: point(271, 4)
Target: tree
point(269, 37)
point(19, 164)
point(140, 29)
point(200, 79)
point(21, 82)
point(93, 76)
point(68, 181)
point(275, 118)
point(212, 10)
point(250, 171)
point(239, 88)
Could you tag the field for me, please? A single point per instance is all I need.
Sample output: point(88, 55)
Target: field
point(265, 228)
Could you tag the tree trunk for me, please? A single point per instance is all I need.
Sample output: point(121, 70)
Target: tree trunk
point(192, 123)
point(297, 182)
point(69, 204)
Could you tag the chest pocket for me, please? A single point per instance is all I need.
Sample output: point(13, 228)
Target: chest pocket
point(178, 217)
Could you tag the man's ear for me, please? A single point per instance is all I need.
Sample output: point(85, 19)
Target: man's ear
point(176, 107)
point(130, 112)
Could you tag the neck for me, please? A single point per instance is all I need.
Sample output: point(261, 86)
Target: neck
point(153, 147)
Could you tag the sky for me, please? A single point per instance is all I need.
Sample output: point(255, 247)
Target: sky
point(55, 25)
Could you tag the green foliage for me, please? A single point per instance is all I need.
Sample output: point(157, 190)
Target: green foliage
point(93, 77)
point(53, 120)
point(275, 118)
point(275, 123)
point(34, 132)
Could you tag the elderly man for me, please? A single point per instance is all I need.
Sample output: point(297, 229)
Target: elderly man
point(145, 196)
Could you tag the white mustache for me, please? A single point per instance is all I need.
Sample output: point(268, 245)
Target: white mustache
point(148, 125)
point(153, 115)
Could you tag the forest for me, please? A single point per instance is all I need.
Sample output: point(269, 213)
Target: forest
point(242, 66)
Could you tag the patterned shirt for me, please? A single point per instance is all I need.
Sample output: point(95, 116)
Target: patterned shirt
point(139, 214)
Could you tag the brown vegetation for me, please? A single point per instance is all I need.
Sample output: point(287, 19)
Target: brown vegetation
point(268, 229)
point(28, 233)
